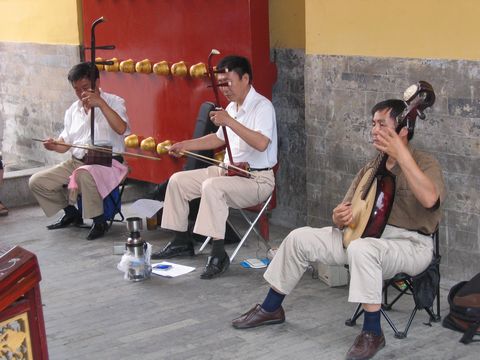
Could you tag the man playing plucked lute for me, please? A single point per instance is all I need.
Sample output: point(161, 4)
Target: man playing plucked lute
point(404, 246)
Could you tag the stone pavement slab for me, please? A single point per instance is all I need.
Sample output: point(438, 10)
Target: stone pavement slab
point(91, 312)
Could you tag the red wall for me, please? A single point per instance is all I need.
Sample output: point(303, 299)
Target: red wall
point(165, 107)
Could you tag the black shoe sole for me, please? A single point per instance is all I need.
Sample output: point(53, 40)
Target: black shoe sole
point(209, 277)
point(95, 238)
point(97, 235)
point(56, 226)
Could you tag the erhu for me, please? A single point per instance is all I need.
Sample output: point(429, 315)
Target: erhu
point(94, 157)
point(232, 168)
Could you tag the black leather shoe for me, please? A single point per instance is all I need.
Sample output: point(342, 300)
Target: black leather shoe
point(215, 266)
point(171, 250)
point(97, 230)
point(64, 221)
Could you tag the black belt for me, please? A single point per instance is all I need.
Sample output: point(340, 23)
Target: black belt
point(119, 158)
point(264, 169)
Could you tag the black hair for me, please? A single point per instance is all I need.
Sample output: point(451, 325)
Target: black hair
point(396, 108)
point(238, 64)
point(82, 71)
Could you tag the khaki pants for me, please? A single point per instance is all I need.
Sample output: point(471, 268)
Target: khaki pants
point(49, 188)
point(370, 260)
point(217, 192)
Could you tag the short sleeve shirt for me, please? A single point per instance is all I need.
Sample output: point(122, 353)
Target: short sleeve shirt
point(407, 212)
point(256, 113)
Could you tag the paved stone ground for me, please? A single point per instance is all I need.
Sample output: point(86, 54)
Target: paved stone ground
point(91, 312)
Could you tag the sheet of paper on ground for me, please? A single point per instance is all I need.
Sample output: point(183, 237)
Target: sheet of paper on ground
point(174, 271)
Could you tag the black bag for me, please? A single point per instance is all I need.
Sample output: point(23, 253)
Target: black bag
point(425, 285)
point(464, 316)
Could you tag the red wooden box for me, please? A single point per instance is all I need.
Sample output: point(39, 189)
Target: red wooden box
point(21, 315)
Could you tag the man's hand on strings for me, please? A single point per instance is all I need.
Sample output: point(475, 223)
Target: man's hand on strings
point(220, 117)
point(342, 215)
point(389, 142)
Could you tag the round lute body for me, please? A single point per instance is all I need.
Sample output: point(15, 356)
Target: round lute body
point(371, 206)
point(361, 209)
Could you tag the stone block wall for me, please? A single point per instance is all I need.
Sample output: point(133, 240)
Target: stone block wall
point(323, 116)
point(34, 94)
point(339, 93)
point(289, 102)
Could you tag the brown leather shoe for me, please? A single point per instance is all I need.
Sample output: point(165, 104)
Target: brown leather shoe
point(256, 316)
point(365, 346)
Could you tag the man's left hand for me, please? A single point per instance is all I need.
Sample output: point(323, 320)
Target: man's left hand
point(91, 99)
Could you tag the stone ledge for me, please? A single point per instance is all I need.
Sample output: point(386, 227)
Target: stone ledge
point(22, 173)
point(15, 192)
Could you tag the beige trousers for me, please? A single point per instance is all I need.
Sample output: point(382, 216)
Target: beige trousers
point(49, 188)
point(217, 192)
point(370, 260)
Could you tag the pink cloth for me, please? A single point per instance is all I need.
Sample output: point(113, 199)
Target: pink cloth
point(106, 178)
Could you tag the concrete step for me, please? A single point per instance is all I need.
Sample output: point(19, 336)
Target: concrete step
point(14, 191)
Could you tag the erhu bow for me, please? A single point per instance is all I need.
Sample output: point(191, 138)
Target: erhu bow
point(374, 195)
point(101, 149)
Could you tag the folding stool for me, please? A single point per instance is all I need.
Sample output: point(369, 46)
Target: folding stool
point(403, 283)
point(112, 205)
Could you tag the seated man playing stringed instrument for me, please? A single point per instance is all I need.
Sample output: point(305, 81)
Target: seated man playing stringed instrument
point(404, 245)
point(111, 124)
point(249, 121)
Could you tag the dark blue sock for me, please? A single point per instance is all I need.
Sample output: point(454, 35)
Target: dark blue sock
point(71, 211)
point(273, 301)
point(371, 322)
point(218, 248)
point(99, 219)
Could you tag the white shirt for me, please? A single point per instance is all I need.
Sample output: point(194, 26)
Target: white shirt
point(256, 113)
point(76, 124)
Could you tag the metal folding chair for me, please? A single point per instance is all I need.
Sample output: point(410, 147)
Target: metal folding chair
point(262, 211)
